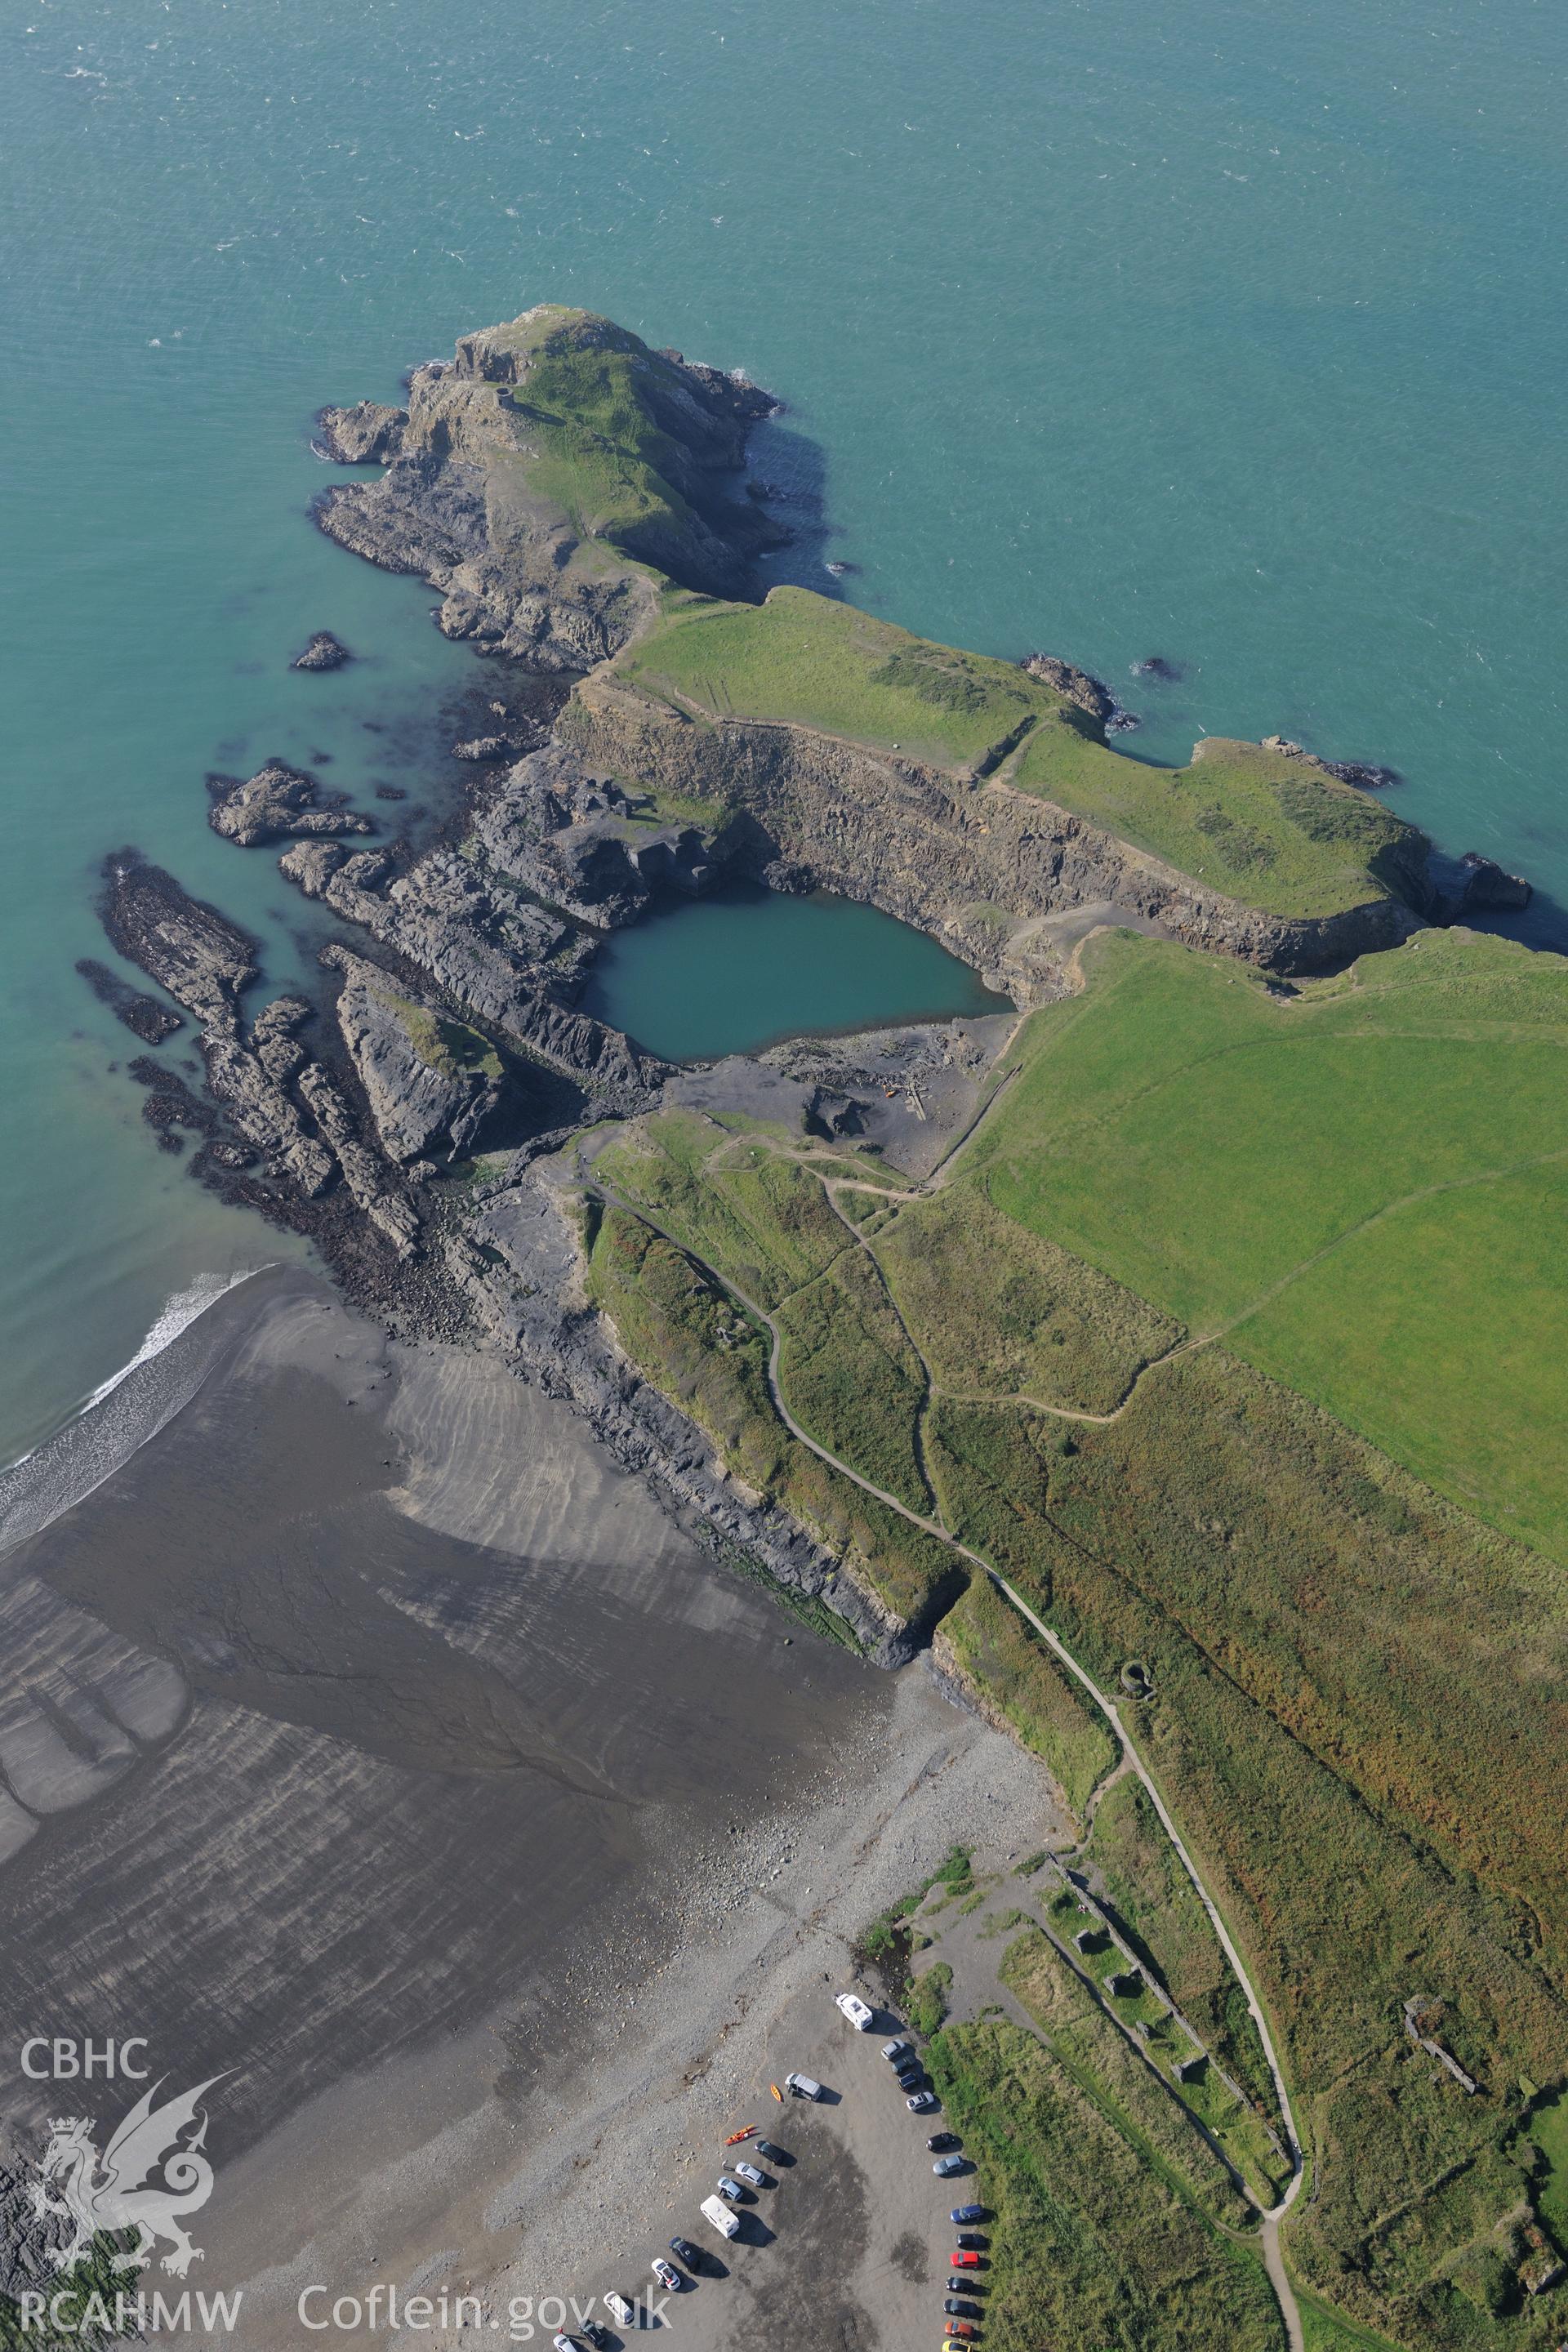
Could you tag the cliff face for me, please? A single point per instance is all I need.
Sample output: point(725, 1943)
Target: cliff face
point(977, 863)
point(532, 476)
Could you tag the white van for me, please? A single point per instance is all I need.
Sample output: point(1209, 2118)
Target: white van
point(714, 2209)
point(804, 2087)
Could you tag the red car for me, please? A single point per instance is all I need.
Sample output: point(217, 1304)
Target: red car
point(964, 2261)
point(962, 2328)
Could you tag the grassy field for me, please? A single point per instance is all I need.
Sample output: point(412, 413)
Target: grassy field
point(1093, 2244)
point(1364, 1186)
point(824, 665)
point(1012, 1673)
point(1275, 832)
point(1354, 1714)
point(851, 1377)
point(996, 1314)
point(1256, 825)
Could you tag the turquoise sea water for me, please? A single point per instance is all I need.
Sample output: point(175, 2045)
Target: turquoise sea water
point(1234, 334)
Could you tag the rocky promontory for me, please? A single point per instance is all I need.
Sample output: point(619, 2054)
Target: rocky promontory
point(490, 495)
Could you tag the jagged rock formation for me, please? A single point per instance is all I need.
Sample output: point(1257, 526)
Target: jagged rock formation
point(275, 802)
point(1078, 686)
point(431, 1083)
point(973, 861)
point(368, 434)
point(485, 485)
point(323, 652)
point(491, 953)
point(576, 841)
point(262, 1077)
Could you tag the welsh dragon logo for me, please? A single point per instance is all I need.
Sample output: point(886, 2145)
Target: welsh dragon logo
point(148, 2175)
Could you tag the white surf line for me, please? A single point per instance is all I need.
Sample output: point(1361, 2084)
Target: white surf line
point(1271, 2214)
point(179, 1311)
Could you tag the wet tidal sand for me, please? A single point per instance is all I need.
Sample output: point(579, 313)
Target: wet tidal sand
point(461, 1776)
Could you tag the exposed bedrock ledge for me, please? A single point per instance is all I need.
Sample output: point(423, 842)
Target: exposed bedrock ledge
point(975, 863)
point(520, 1266)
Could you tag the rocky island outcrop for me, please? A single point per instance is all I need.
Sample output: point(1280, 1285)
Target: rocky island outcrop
point(275, 802)
point(532, 477)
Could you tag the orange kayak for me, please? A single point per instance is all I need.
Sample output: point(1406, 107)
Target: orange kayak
point(776, 2092)
point(736, 2137)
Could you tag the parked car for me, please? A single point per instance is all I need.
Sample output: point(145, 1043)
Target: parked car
point(938, 2140)
point(620, 2310)
point(771, 2155)
point(597, 2335)
point(896, 2052)
point(962, 2328)
point(921, 2103)
point(667, 2275)
point(728, 2224)
point(804, 2087)
point(732, 2190)
point(946, 2166)
point(970, 2212)
point(561, 2344)
point(685, 2252)
point(974, 2242)
point(962, 2261)
point(749, 2172)
point(962, 2310)
point(860, 2013)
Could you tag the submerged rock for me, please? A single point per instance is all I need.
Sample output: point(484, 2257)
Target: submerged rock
point(276, 803)
point(323, 652)
point(144, 1016)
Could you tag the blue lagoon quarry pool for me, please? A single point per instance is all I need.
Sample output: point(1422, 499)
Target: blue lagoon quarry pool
point(744, 967)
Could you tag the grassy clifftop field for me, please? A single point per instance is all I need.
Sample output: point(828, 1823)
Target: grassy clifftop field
point(1363, 1187)
point(1353, 1703)
point(1275, 832)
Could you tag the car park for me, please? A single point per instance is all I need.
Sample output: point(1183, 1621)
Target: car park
point(667, 2275)
point(728, 2224)
point(941, 2140)
point(685, 2252)
point(921, 2103)
point(946, 2166)
point(969, 2212)
point(974, 2242)
point(620, 2310)
point(804, 2087)
point(749, 2172)
point(732, 2190)
point(961, 2261)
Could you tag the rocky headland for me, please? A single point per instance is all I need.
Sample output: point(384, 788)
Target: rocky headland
point(556, 481)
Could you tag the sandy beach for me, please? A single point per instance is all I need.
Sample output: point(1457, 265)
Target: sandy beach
point(372, 1742)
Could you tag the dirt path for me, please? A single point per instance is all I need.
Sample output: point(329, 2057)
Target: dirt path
point(1106, 1704)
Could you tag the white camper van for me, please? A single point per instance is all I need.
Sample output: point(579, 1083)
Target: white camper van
point(726, 2223)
